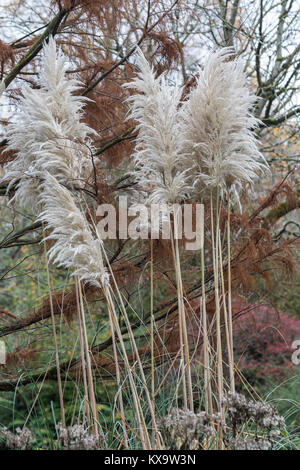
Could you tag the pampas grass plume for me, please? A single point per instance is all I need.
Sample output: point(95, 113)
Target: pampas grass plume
point(159, 146)
point(75, 246)
point(221, 149)
point(47, 133)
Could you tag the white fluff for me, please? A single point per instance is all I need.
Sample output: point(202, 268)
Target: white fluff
point(221, 149)
point(75, 247)
point(159, 146)
point(47, 133)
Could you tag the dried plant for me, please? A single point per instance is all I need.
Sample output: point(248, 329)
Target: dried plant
point(187, 430)
point(20, 440)
point(76, 437)
point(263, 416)
point(240, 443)
point(190, 431)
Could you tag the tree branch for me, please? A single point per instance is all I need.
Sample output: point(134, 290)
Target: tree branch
point(273, 122)
point(126, 57)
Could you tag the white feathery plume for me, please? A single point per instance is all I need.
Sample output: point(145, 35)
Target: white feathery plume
point(75, 246)
point(221, 149)
point(47, 133)
point(159, 145)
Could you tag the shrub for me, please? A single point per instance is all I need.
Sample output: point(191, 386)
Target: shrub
point(263, 342)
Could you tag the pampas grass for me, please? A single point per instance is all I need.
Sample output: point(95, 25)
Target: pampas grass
point(53, 147)
point(158, 170)
point(201, 149)
point(47, 133)
point(204, 148)
point(62, 150)
point(221, 158)
point(221, 150)
point(49, 139)
point(76, 248)
point(159, 145)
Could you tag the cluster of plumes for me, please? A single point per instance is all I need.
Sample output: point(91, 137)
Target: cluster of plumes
point(76, 437)
point(75, 245)
point(203, 145)
point(239, 411)
point(47, 133)
point(159, 146)
point(186, 430)
point(20, 440)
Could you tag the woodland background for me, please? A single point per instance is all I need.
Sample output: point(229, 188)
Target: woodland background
point(99, 39)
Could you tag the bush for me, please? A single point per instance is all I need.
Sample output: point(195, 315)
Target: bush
point(263, 342)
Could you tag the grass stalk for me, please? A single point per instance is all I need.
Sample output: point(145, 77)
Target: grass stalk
point(232, 379)
point(186, 363)
point(228, 342)
point(152, 326)
point(88, 364)
point(118, 376)
point(215, 244)
point(181, 343)
point(107, 290)
point(86, 409)
point(206, 345)
point(59, 382)
point(138, 409)
point(135, 350)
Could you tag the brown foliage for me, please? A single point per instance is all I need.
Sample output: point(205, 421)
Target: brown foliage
point(189, 85)
point(272, 198)
point(6, 156)
point(167, 52)
point(20, 357)
point(7, 54)
point(64, 304)
point(125, 273)
point(259, 255)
